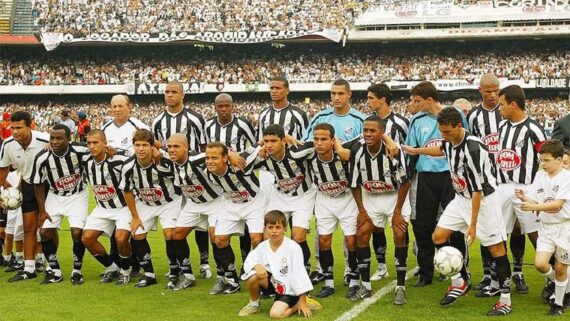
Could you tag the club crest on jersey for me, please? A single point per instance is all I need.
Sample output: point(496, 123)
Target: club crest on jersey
point(74, 160)
point(192, 191)
point(237, 197)
point(279, 287)
point(104, 192)
point(508, 160)
point(459, 182)
point(290, 184)
point(334, 188)
point(284, 267)
point(67, 183)
point(377, 187)
point(125, 141)
point(348, 131)
point(432, 143)
point(152, 194)
point(492, 142)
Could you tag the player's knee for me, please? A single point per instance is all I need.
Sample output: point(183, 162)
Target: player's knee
point(223, 241)
point(299, 236)
point(88, 239)
point(47, 234)
point(325, 242)
point(256, 239)
point(350, 242)
point(560, 269)
point(399, 237)
point(178, 234)
point(76, 234)
point(276, 313)
point(542, 266)
point(436, 238)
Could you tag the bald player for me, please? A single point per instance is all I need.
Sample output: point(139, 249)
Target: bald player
point(464, 105)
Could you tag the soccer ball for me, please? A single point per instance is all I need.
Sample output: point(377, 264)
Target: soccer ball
point(11, 198)
point(448, 261)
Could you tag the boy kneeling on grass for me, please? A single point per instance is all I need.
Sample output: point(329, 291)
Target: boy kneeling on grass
point(276, 265)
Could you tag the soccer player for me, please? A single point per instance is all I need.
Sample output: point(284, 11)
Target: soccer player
point(243, 204)
point(236, 133)
point(434, 189)
point(379, 98)
point(62, 170)
point(21, 151)
point(517, 163)
point(464, 105)
point(275, 266)
point(379, 186)
point(474, 209)
point(179, 119)
point(111, 215)
point(152, 184)
point(548, 196)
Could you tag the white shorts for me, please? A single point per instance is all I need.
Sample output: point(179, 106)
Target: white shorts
point(412, 194)
point(510, 207)
point(200, 215)
point(300, 208)
point(236, 215)
point(107, 219)
point(330, 210)
point(149, 215)
point(15, 224)
point(75, 207)
point(380, 207)
point(490, 224)
point(554, 238)
point(266, 183)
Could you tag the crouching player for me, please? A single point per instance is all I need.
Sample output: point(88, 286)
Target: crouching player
point(474, 210)
point(277, 266)
point(549, 198)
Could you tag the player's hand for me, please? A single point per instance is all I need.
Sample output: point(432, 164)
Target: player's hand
point(261, 272)
point(471, 234)
point(392, 149)
point(292, 141)
point(409, 150)
point(519, 193)
point(156, 156)
point(111, 151)
point(343, 154)
point(135, 224)
point(362, 218)
point(236, 160)
point(527, 207)
point(42, 217)
point(399, 222)
point(304, 309)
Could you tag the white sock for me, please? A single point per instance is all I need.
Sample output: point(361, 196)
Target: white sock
point(367, 285)
point(354, 282)
point(7, 257)
point(113, 267)
point(254, 303)
point(494, 284)
point(329, 283)
point(550, 274)
point(30, 266)
point(559, 289)
point(76, 271)
point(381, 266)
point(19, 256)
point(399, 286)
point(150, 275)
point(457, 280)
point(56, 272)
point(505, 298)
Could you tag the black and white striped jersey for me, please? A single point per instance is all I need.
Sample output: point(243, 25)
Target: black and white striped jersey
point(377, 173)
point(293, 119)
point(517, 159)
point(105, 178)
point(13, 154)
point(236, 185)
point(397, 127)
point(187, 122)
point(484, 124)
point(62, 173)
point(235, 135)
point(470, 166)
point(192, 178)
point(331, 177)
point(152, 184)
point(291, 173)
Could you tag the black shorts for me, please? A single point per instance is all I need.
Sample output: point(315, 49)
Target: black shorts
point(3, 217)
point(29, 202)
point(291, 300)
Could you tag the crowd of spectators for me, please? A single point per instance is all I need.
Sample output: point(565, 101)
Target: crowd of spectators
point(81, 17)
point(546, 111)
point(299, 63)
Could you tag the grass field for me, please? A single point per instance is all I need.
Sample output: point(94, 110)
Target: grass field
point(93, 301)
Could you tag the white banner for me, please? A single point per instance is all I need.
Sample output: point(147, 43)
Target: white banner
point(52, 40)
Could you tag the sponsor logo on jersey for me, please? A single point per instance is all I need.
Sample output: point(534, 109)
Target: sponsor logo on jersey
point(508, 160)
point(492, 142)
point(459, 182)
point(290, 184)
point(192, 191)
point(348, 131)
point(153, 194)
point(67, 183)
point(279, 287)
point(237, 197)
point(432, 143)
point(377, 187)
point(334, 188)
point(104, 192)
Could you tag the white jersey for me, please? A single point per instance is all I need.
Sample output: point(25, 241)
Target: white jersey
point(23, 159)
point(13, 178)
point(122, 136)
point(289, 276)
point(546, 189)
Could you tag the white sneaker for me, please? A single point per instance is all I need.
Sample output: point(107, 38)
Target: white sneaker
point(379, 275)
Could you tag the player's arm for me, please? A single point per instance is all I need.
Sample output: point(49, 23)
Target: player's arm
point(398, 220)
point(3, 175)
point(475, 205)
point(303, 307)
point(428, 151)
point(551, 206)
point(391, 145)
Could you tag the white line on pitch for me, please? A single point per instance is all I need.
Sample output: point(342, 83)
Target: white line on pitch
point(359, 308)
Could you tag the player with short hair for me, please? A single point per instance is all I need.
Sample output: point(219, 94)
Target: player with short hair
point(474, 209)
point(276, 267)
point(20, 151)
point(548, 196)
point(111, 215)
point(59, 170)
point(566, 160)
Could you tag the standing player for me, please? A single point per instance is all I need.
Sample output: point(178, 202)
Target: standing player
point(236, 133)
point(110, 215)
point(21, 151)
point(379, 187)
point(379, 98)
point(156, 200)
point(179, 119)
point(62, 170)
point(474, 209)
